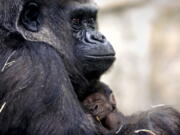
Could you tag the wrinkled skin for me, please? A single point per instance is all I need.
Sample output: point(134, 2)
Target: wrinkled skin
point(43, 63)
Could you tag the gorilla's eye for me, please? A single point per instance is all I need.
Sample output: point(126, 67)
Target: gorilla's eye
point(30, 16)
point(76, 23)
point(91, 20)
point(76, 20)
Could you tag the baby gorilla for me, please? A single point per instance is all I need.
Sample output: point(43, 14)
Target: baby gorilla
point(157, 121)
point(101, 106)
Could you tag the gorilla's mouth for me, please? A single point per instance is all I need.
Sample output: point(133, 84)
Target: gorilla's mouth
point(101, 57)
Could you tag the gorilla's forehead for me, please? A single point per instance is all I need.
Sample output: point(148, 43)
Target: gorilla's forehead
point(66, 2)
point(77, 1)
point(81, 1)
point(14, 1)
point(84, 4)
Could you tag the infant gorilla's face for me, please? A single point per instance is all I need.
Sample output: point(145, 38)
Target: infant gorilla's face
point(100, 105)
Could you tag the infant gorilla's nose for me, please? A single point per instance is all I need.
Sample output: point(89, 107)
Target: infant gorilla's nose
point(95, 109)
point(101, 110)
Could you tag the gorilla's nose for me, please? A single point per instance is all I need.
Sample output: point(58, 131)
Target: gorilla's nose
point(94, 37)
point(98, 37)
point(98, 44)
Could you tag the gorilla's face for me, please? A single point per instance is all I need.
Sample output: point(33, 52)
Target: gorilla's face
point(68, 26)
point(91, 48)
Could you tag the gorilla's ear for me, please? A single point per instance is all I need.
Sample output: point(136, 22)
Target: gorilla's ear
point(31, 17)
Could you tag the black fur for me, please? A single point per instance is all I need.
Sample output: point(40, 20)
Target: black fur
point(40, 73)
point(38, 94)
point(159, 121)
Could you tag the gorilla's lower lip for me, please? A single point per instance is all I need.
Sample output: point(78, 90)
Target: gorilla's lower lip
point(101, 56)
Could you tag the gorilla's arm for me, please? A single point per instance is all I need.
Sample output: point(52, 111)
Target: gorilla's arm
point(163, 120)
point(38, 94)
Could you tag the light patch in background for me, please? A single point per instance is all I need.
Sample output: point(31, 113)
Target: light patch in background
point(130, 29)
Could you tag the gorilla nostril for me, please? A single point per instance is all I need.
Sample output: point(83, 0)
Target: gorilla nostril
point(103, 37)
point(91, 110)
point(113, 107)
point(96, 107)
point(92, 37)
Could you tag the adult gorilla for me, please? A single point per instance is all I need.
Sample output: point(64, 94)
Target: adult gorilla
point(42, 62)
point(94, 54)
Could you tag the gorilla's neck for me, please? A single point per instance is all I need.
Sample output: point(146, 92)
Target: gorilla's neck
point(82, 83)
point(83, 86)
point(3, 33)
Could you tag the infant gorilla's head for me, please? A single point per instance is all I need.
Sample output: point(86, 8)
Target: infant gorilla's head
point(102, 106)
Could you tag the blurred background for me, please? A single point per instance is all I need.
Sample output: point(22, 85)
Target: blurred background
point(146, 37)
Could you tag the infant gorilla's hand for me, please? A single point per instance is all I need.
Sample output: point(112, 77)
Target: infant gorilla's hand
point(112, 121)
